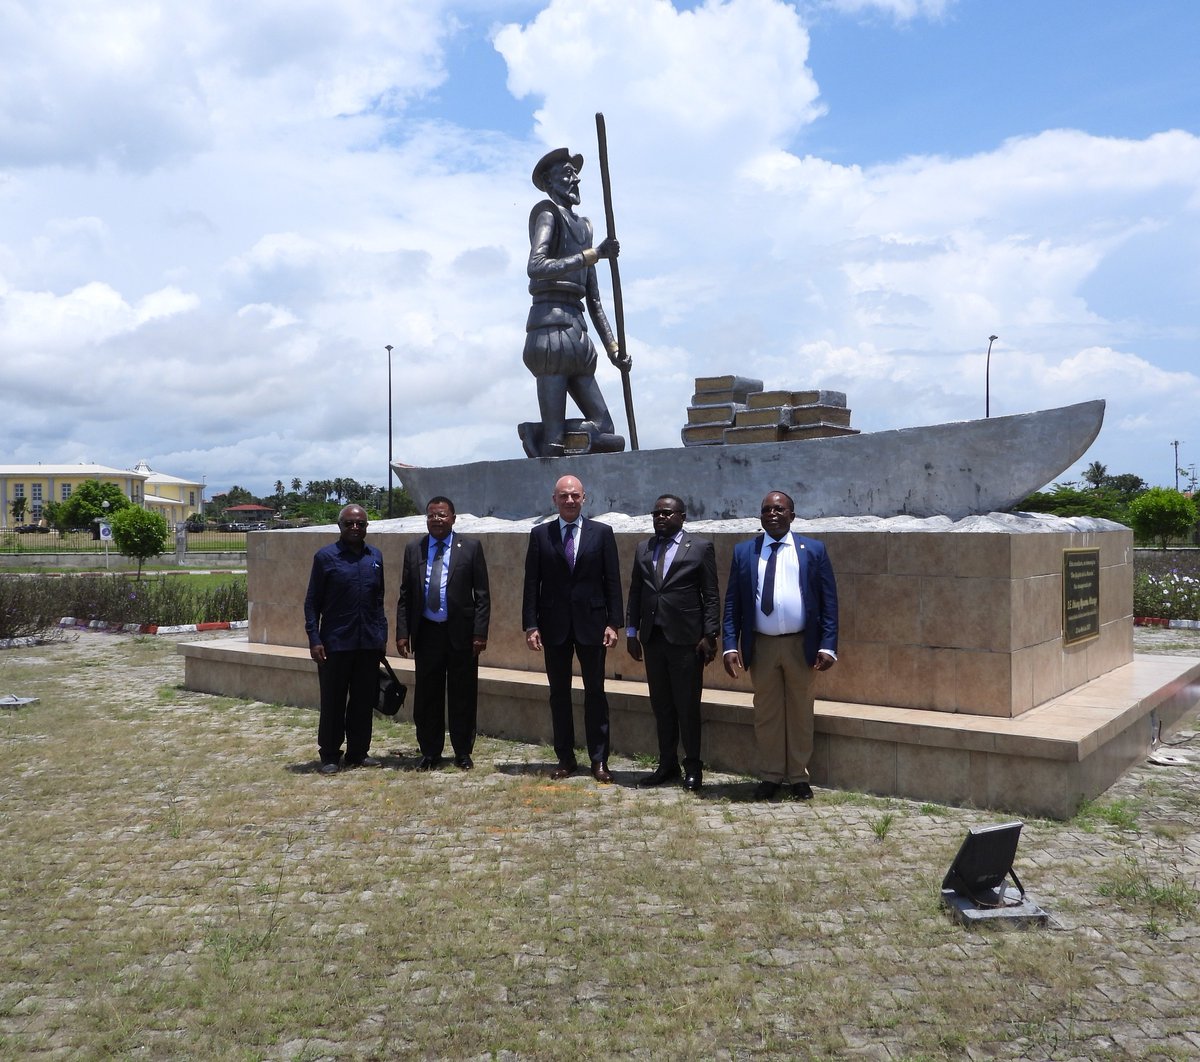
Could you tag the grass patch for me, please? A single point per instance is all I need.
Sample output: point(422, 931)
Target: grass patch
point(1120, 813)
point(1141, 887)
point(185, 883)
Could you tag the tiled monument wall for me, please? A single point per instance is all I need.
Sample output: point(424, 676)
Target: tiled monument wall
point(949, 620)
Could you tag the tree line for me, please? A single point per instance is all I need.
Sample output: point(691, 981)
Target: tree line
point(1156, 514)
point(317, 500)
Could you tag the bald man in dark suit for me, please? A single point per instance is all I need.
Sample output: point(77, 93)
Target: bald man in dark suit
point(572, 607)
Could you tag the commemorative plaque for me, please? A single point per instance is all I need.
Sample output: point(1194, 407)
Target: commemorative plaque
point(1081, 595)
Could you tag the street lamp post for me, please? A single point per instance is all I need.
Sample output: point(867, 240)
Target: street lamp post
point(388, 348)
point(987, 379)
point(105, 531)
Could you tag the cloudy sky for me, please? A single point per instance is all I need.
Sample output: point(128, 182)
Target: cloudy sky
point(215, 215)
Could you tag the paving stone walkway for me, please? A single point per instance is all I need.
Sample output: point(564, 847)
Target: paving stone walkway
point(178, 882)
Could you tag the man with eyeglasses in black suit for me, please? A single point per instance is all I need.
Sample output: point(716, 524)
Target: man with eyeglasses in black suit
point(672, 622)
point(442, 619)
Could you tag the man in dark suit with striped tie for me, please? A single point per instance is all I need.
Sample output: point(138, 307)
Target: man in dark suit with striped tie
point(572, 607)
point(673, 620)
point(442, 619)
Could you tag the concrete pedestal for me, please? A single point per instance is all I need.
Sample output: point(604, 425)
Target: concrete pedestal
point(953, 682)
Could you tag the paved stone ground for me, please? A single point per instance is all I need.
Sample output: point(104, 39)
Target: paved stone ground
point(198, 891)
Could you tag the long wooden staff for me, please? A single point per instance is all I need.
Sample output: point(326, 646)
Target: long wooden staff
point(618, 304)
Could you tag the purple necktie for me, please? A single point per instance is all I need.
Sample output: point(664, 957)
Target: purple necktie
point(569, 546)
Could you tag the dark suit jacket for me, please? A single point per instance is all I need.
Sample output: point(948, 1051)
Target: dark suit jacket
point(687, 606)
point(817, 587)
point(468, 599)
point(560, 601)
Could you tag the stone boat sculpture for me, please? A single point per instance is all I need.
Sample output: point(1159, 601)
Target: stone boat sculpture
point(956, 469)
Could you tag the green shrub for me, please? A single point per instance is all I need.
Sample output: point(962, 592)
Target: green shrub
point(25, 610)
point(30, 605)
point(1162, 514)
point(139, 533)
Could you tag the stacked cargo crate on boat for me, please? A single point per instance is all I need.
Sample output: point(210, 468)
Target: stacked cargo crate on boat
point(733, 409)
point(717, 401)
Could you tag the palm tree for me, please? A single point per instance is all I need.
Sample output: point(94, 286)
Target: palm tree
point(1095, 474)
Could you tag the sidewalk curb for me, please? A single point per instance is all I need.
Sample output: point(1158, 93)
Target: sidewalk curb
point(151, 628)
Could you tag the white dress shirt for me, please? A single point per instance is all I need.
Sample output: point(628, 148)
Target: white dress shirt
point(787, 617)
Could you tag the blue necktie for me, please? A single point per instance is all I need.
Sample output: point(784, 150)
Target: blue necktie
point(768, 590)
point(433, 596)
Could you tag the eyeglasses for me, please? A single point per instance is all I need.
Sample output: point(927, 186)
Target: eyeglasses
point(354, 523)
point(664, 512)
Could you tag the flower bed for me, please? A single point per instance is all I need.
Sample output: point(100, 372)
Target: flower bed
point(1166, 586)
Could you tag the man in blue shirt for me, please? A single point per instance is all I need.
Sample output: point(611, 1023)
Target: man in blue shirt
point(347, 637)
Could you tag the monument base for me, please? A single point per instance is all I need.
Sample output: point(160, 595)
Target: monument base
point(1045, 762)
point(962, 677)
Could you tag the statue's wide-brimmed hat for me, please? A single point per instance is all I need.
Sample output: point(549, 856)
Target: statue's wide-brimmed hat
point(552, 158)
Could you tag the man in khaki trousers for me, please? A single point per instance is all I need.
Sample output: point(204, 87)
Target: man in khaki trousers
point(781, 624)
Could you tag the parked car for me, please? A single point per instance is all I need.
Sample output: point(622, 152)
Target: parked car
point(31, 529)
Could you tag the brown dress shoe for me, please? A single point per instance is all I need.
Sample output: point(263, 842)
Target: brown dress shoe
point(563, 770)
point(600, 772)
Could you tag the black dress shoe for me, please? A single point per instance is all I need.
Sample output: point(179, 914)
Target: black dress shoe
point(428, 763)
point(766, 790)
point(464, 763)
point(693, 780)
point(329, 768)
point(660, 776)
point(802, 791)
point(366, 761)
point(600, 772)
point(563, 770)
